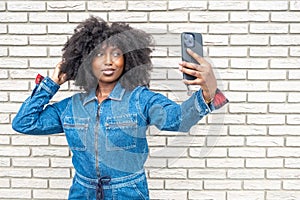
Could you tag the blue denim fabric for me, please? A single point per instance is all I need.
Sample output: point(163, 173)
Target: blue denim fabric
point(107, 139)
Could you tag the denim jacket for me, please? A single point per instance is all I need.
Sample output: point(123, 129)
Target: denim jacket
point(108, 138)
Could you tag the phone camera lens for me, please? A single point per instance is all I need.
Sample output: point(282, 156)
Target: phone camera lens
point(189, 40)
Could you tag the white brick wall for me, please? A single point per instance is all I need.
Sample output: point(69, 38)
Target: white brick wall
point(248, 150)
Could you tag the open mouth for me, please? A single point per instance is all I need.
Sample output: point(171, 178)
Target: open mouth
point(108, 72)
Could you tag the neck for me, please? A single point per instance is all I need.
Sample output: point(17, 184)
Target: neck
point(104, 90)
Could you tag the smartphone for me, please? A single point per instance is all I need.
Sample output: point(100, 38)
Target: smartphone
point(194, 42)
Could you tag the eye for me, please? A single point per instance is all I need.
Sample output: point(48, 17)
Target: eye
point(116, 54)
point(100, 54)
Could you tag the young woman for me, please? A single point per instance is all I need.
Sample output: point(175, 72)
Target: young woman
point(106, 125)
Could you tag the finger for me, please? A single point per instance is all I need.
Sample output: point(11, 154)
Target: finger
point(189, 65)
point(197, 57)
point(191, 72)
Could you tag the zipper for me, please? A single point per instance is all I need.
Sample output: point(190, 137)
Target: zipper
point(96, 141)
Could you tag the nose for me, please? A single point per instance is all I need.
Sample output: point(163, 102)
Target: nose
point(108, 59)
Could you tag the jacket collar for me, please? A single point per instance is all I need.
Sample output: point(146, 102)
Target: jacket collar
point(116, 94)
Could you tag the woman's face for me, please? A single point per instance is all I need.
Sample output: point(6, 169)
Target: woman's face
point(108, 64)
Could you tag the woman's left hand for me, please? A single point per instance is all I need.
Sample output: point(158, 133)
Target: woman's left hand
point(204, 75)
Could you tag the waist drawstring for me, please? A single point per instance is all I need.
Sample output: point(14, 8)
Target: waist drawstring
point(99, 190)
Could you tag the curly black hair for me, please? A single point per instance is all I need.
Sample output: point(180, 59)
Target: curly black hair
point(81, 48)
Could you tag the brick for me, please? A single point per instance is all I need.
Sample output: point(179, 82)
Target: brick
point(187, 5)
point(249, 16)
point(245, 174)
point(3, 96)
point(29, 183)
point(267, 74)
point(13, 40)
point(186, 163)
point(291, 185)
point(245, 195)
point(60, 183)
point(294, 97)
point(265, 119)
point(226, 119)
point(282, 195)
point(14, 151)
point(185, 141)
point(209, 130)
point(248, 86)
point(61, 162)
point(60, 29)
point(292, 162)
point(4, 162)
point(47, 40)
point(227, 51)
point(3, 74)
point(51, 173)
point(284, 86)
point(156, 162)
point(13, 63)
point(207, 173)
point(168, 173)
point(155, 184)
point(246, 152)
point(2, 5)
point(293, 119)
point(294, 28)
point(15, 173)
point(13, 17)
point(81, 16)
point(50, 151)
point(286, 108)
point(50, 194)
point(292, 141)
point(168, 152)
point(156, 141)
point(30, 140)
point(280, 152)
point(283, 174)
point(165, 194)
point(227, 5)
point(127, 17)
point(248, 108)
point(3, 52)
point(286, 40)
point(203, 195)
point(284, 130)
point(187, 27)
point(106, 5)
point(48, 17)
point(228, 28)
point(168, 16)
point(3, 28)
point(207, 152)
point(28, 51)
point(58, 140)
point(285, 16)
point(262, 185)
point(264, 163)
point(15, 193)
point(247, 130)
point(4, 182)
point(268, 52)
point(30, 162)
point(222, 184)
point(66, 6)
point(27, 29)
point(294, 74)
point(4, 118)
point(225, 163)
point(280, 63)
point(28, 6)
point(264, 141)
point(263, 97)
point(268, 5)
point(294, 5)
point(268, 28)
point(22, 74)
point(152, 28)
point(147, 5)
point(209, 17)
point(43, 63)
point(225, 141)
point(241, 63)
point(183, 185)
point(255, 40)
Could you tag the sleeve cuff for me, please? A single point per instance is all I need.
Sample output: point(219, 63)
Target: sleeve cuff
point(219, 100)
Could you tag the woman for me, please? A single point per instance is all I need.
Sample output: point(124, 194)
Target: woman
point(106, 125)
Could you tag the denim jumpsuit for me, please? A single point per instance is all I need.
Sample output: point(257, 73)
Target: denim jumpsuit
point(107, 140)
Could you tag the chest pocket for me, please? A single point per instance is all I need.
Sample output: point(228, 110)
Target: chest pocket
point(121, 132)
point(76, 132)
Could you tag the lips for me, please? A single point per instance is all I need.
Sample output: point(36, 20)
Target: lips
point(108, 71)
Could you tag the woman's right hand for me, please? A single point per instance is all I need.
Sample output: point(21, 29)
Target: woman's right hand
point(57, 76)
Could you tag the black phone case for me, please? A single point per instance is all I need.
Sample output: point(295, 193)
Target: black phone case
point(197, 48)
